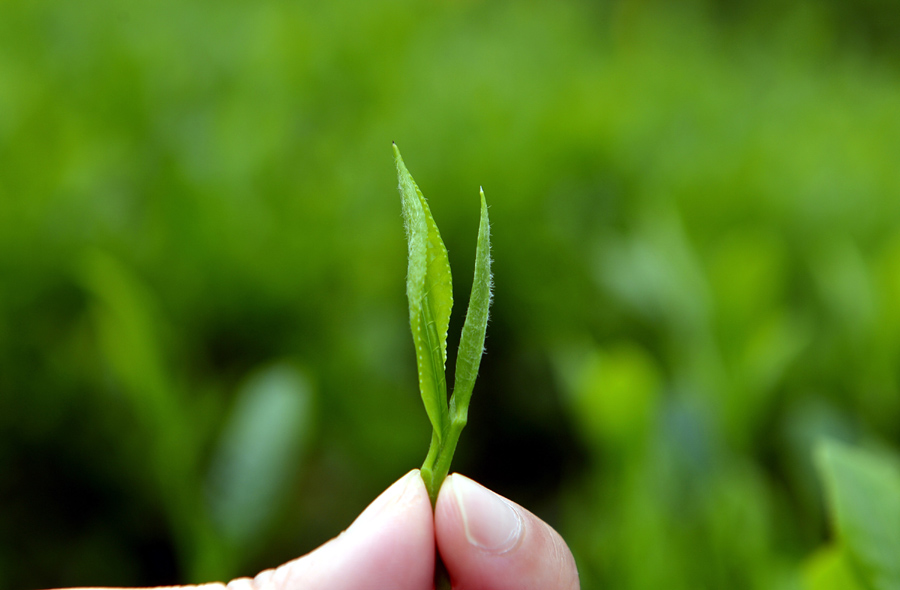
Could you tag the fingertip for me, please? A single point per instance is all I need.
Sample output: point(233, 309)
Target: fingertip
point(488, 542)
point(389, 546)
point(406, 492)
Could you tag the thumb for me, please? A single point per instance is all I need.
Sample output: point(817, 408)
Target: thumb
point(490, 543)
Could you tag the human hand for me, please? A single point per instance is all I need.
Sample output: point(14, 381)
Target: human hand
point(486, 543)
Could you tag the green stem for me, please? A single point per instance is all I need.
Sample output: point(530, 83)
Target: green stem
point(441, 577)
point(428, 468)
point(445, 456)
point(435, 470)
point(437, 463)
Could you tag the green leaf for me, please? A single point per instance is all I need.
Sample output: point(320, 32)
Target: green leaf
point(128, 327)
point(128, 324)
point(863, 491)
point(429, 289)
point(471, 343)
point(258, 452)
point(829, 569)
point(430, 293)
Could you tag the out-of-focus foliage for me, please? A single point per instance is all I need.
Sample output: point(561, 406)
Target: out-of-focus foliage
point(864, 494)
point(696, 215)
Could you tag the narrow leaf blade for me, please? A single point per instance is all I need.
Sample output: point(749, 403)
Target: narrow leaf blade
point(429, 290)
point(471, 344)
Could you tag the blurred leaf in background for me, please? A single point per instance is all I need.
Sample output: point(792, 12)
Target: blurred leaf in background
point(829, 570)
point(864, 499)
point(696, 211)
point(260, 450)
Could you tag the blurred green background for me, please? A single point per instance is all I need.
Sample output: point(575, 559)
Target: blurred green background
point(205, 359)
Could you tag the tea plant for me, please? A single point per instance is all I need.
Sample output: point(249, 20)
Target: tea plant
point(430, 292)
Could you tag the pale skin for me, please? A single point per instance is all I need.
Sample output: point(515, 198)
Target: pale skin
point(486, 542)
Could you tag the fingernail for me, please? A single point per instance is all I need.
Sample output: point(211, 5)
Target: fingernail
point(401, 493)
point(491, 523)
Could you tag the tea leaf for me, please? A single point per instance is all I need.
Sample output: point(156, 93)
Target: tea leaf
point(471, 344)
point(430, 292)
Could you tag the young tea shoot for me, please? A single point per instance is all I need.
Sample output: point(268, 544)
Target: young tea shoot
point(429, 289)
